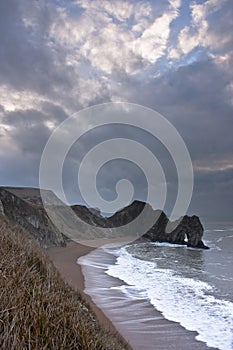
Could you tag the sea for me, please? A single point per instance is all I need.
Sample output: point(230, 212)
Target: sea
point(191, 288)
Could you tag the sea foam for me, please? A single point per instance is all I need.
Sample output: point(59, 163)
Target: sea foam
point(188, 301)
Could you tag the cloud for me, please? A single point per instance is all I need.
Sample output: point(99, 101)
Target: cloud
point(176, 57)
point(210, 28)
point(22, 59)
point(212, 197)
point(194, 98)
point(120, 36)
point(13, 99)
point(152, 44)
point(121, 10)
point(216, 165)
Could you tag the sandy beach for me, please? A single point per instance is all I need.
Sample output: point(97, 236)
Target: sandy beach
point(138, 322)
point(65, 260)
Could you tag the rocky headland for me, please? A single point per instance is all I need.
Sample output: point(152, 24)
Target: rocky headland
point(24, 206)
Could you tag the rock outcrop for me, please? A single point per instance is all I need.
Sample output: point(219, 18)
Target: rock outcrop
point(91, 216)
point(24, 206)
point(189, 231)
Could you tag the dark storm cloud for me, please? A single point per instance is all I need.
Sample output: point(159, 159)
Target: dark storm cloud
point(19, 169)
point(212, 197)
point(25, 140)
point(66, 57)
point(194, 99)
point(28, 60)
point(21, 60)
point(118, 169)
point(30, 128)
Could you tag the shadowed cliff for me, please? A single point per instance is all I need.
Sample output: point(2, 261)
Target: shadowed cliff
point(24, 206)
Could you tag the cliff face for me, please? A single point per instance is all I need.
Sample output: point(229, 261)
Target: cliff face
point(90, 216)
point(189, 231)
point(24, 207)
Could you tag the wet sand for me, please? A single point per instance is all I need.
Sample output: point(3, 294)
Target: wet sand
point(137, 321)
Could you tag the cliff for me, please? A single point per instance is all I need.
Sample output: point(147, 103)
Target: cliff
point(189, 231)
point(24, 206)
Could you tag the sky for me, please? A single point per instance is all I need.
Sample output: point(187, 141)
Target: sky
point(174, 56)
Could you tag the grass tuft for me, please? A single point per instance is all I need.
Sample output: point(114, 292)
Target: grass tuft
point(38, 310)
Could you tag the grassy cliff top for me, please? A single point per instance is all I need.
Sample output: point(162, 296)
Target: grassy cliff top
point(38, 310)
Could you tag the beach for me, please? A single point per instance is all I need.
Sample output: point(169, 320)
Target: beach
point(65, 260)
point(141, 325)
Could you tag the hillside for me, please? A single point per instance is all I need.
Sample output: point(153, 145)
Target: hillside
point(38, 310)
point(24, 206)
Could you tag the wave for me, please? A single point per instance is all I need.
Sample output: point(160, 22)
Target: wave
point(220, 230)
point(177, 298)
point(165, 244)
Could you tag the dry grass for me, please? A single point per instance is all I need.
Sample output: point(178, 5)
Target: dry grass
point(37, 309)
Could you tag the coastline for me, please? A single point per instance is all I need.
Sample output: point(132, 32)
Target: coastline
point(65, 261)
point(135, 321)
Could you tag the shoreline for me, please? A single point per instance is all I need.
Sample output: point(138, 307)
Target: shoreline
point(65, 261)
point(136, 322)
point(135, 318)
